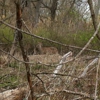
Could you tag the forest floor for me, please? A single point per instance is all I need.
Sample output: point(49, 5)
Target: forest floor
point(14, 75)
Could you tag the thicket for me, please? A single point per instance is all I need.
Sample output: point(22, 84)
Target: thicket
point(75, 38)
point(72, 30)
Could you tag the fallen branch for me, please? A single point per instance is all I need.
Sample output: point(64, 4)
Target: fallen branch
point(86, 69)
point(97, 80)
point(85, 95)
point(78, 93)
point(64, 58)
point(59, 74)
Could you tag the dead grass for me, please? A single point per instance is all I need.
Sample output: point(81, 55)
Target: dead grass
point(45, 58)
point(47, 87)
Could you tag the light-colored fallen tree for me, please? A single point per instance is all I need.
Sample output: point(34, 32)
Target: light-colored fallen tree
point(64, 58)
point(87, 68)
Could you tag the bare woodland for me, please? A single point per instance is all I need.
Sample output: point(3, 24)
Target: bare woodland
point(49, 49)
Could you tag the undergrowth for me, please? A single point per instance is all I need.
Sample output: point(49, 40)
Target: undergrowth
point(80, 38)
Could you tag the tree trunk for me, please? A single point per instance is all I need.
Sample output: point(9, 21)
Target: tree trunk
point(37, 12)
point(93, 16)
point(53, 9)
point(19, 37)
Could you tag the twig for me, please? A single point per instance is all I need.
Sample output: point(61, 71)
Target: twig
point(97, 77)
point(78, 93)
point(56, 74)
point(26, 26)
point(85, 95)
point(56, 64)
point(41, 82)
point(15, 57)
point(7, 18)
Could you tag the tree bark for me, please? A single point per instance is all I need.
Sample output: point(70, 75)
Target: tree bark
point(19, 37)
point(37, 12)
point(53, 9)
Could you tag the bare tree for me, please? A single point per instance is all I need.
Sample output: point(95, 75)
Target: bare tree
point(37, 11)
point(19, 37)
point(66, 82)
point(97, 7)
point(53, 9)
point(93, 16)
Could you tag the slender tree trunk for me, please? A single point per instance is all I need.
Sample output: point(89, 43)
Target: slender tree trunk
point(94, 20)
point(19, 34)
point(53, 9)
point(37, 12)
